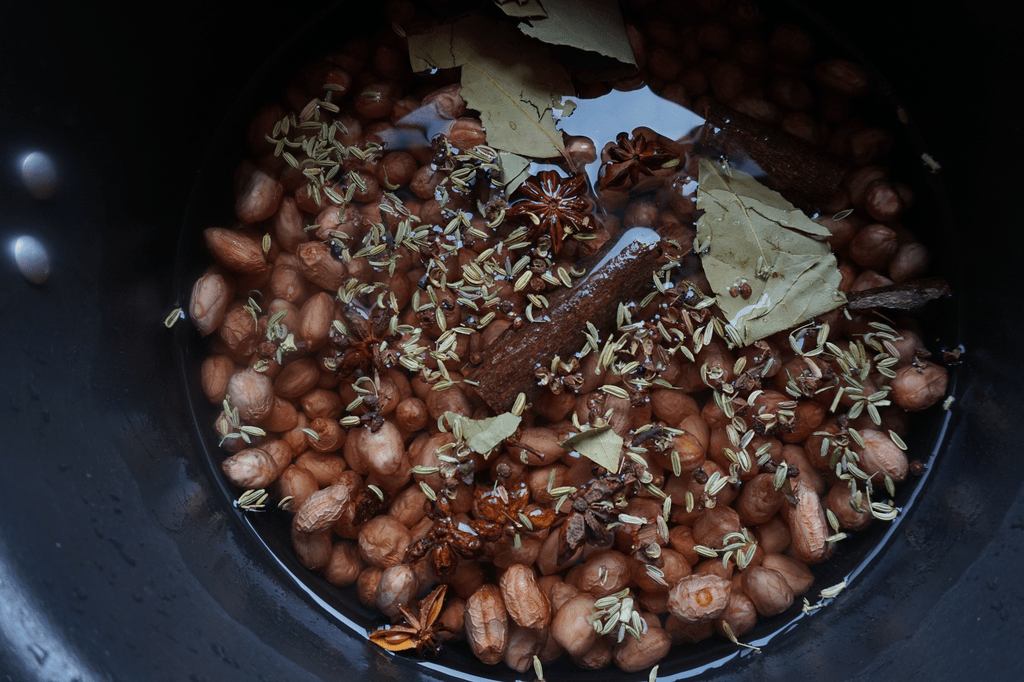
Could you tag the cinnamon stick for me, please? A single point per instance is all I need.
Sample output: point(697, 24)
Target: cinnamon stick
point(619, 272)
point(908, 296)
point(793, 162)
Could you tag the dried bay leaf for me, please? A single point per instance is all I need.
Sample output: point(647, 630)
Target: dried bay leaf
point(483, 435)
point(600, 445)
point(514, 170)
point(594, 26)
point(754, 231)
point(512, 80)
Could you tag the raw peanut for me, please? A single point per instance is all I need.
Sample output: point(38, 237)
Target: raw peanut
point(506, 553)
point(312, 549)
point(239, 332)
point(608, 564)
point(375, 100)
point(296, 378)
point(468, 578)
point(740, 615)
point(808, 526)
point(596, 657)
point(396, 169)
point(773, 536)
point(909, 262)
point(315, 320)
point(680, 538)
point(324, 467)
point(258, 196)
point(873, 246)
point(411, 415)
point(882, 201)
point(366, 585)
point(806, 417)
point(672, 406)
point(466, 133)
point(383, 541)
point(252, 394)
point(797, 575)
point(881, 456)
point(673, 564)
point(758, 500)
point(296, 483)
point(917, 387)
point(692, 446)
point(423, 183)
point(768, 590)
point(321, 403)
point(699, 598)
point(447, 101)
point(217, 369)
point(408, 506)
point(486, 624)
point(319, 266)
point(381, 453)
point(211, 295)
point(321, 509)
point(344, 566)
point(527, 605)
point(685, 632)
point(288, 225)
point(452, 399)
point(286, 282)
point(838, 500)
point(841, 76)
point(714, 524)
point(452, 619)
point(397, 587)
point(332, 436)
point(235, 251)
point(523, 645)
point(250, 469)
point(867, 145)
point(572, 627)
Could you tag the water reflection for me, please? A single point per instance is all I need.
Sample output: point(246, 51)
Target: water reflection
point(39, 174)
point(32, 259)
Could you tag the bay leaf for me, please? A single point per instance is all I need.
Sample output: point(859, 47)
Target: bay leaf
point(514, 170)
point(594, 26)
point(754, 231)
point(529, 8)
point(600, 445)
point(483, 435)
point(512, 80)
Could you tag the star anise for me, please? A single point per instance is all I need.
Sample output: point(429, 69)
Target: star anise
point(506, 509)
point(554, 206)
point(561, 376)
point(448, 540)
point(591, 510)
point(419, 631)
point(632, 158)
point(368, 330)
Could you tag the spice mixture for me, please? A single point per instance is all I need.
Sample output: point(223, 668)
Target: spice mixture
point(561, 394)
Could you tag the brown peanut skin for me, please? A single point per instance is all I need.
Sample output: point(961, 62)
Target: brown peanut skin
point(235, 251)
point(633, 656)
point(918, 387)
point(526, 604)
point(486, 623)
point(699, 598)
point(572, 627)
point(211, 295)
point(808, 526)
point(768, 589)
point(321, 509)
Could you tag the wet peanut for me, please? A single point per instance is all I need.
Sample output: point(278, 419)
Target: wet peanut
point(527, 605)
point(321, 509)
point(312, 549)
point(768, 590)
point(366, 585)
point(486, 623)
point(699, 598)
point(345, 564)
point(797, 575)
point(523, 645)
point(383, 541)
point(572, 626)
point(235, 251)
point(808, 527)
point(882, 456)
point(918, 387)
point(397, 587)
point(211, 295)
point(252, 394)
point(740, 615)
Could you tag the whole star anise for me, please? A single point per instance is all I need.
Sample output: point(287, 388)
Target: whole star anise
point(554, 206)
point(632, 158)
point(361, 347)
point(419, 631)
point(448, 539)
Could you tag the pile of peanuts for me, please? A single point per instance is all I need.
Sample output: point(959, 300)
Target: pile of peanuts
point(341, 329)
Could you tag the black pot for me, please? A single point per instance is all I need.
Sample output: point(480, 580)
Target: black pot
point(120, 558)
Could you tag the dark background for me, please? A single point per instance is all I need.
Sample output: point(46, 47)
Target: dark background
point(119, 559)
